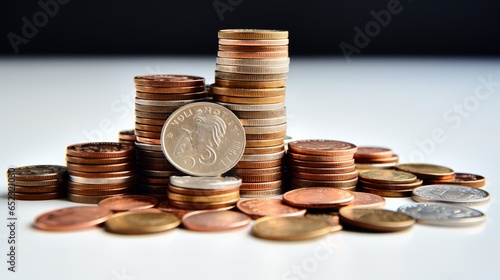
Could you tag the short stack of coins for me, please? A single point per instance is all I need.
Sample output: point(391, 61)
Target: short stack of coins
point(321, 163)
point(100, 170)
point(157, 97)
point(127, 136)
point(375, 158)
point(428, 172)
point(388, 183)
point(250, 78)
point(38, 182)
point(200, 193)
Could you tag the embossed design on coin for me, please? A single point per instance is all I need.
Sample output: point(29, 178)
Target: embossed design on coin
point(443, 214)
point(203, 139)
point(455, 194)
point(37, 172)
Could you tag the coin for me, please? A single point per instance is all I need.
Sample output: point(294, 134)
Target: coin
point(149, 121)
point(391, 186)
point(215, 220)
point(247, 42)
point(261, 186)
point(260, 193)
point(250, 84)
point(261, 207)
point(249, 100)
point(141, 222)
point(100, 150)
point(162, 80)
point(331, 218)
point(90, 199)
point(324, 184)
point(203, 139)
point(252, 69)
point(387, 193)
point(464, 179)
point(322, 147)
point(170, 90)
point(326, 177)
point(372, 153)
point(128, 202)
point(40, 183)
point(246, 92)
point(289, 228)
point(379, 220)
point(206, 183)
point(387, 176)
point(320, 164)
point(40, 189)
point(252, 34)
point(100, 168)
point(441, 214)
point(39, 196)
point(315, 158)
point(165, 206)
point(454, 194)
point(264, 142)
point(201, 192)
point(72, 218)
point(367, 200)
point(103, 175)
point(127, 135)
point(217, 198)
point(37, 172)
point(170, 96)
point(204, 206)
point(427, 171)
point(317, 197)
point(81, 160)
point(259, 164)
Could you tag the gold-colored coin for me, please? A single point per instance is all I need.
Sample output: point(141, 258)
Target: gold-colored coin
point(427, 171)
point(252, 69)
point(261, 193)
point(141, 222)
point(264, 142)
point(264, 150)
point(265, 129)
point(204, 198)
point(331, 218)
point(249, 100)
point(249, 77)
point(387, 176)
point(246, 92)
point(248, 42)
point(251, 48)
point(391, 186)
point(263, 122)
point(252, 34)
point(387, 193)
point(261, 114)
point(249, 84)
point(289, 228)
point(380, 220)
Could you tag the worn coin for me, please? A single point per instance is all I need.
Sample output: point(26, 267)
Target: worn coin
point(136, 222)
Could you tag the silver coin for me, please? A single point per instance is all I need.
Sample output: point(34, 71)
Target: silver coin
point(263, 157)
point(103, 181)
point(171, 103)
point(205, 183)
point(443, 214)
point(253, 107)
point(203, 139)
point(265, 129)
point(148, 147)
point(454, 194)
point(263, 121)
point(252, 69)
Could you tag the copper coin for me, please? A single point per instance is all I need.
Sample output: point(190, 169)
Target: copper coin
point(161, 80)
point(147, 134)
point(325, 177)
point(204, 206)
point(158, 166)
point(257, 178)
point(252, 34)
point(388, 193)
point(103, 174)
point(170, 90)
point(232, 54)
point(312, 170)
point(42, 189)
point(149, 121)
point(36, 172)
point(100, 150)
point(153, 189)
point(129, 202)
point(88, 199)
point(380, 220)
point(100, 186)
point(391, 159)
point(154, 181)
point(427, 171)
point(315, 158)
point(391, 186)
point(317, 197)
point(260, 193)
point(85, 191)
point(320, 164)
point(39, 196)
point(152, 115)
point(250, 84)
point(248, 42)
point(264, 142)
point(464, 179)
point(91, 168)
point(256, 171)
point(165, 206)
point(367, 200)
point(261, 136)
point(261, 207)
point(40, 183)
point(215, 220)
point(322, 147)
point(331, 218)
point(216, 198)
point(261, 186)
point(258, 164)
point(260, 114)
point(201, 192)
point(387, 176)
point(240, 48)
point(246, 92)
point(81, 160)
point(264, 150)
point(127, 135)
point(152, 160)
point(171, 97)
point(327, 184)
point(249, 100)
point(372, 153)
point(148, 127)
point(73, 218)
point(149, 147)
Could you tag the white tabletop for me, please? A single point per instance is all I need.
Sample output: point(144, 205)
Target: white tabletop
point(431, 110)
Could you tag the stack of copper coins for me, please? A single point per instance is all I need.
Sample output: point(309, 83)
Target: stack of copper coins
point(250, 77)
point(37, 182)
point(375, 158)
point(388, 183)
point(428, 172)
point(126, 136)
point(321, 163)
point(100, 170)
point(197, 193)
point(157, 97)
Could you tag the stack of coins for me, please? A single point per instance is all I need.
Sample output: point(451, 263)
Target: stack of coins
point(196, 193)
point(37, 182)
point(126, 136)
point(100, 170)
point(375, 158)
point(428, 172)
point(321, 163)
point(464, 179)
point(250, 78)
point(157, 97)
point(388, 183)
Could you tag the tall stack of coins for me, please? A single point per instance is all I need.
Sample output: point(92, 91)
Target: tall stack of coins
point(100, 170)
point(187, 192)
point(250, 78)
point(321, 163)
point(375, 158)
point(389, 183)
point(38, 182)
point(157, 97)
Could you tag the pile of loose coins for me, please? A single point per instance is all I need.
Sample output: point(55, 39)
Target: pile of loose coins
point(250, 78)
point(100, 170)
point(321, 163)
point(375, 158)
point(37, 182)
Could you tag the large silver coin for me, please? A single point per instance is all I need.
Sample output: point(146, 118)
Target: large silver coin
point(205, 183)
point(203, 139)
point(454, 194)
point(443, 214)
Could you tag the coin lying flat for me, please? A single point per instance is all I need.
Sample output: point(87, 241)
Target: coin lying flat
point(73, 218)
point(261, 207)
point(317, 197)
point(141, 222)
point(454, 194)
point(37, 172)
point(464, 179)
point(289, 228)
point(367, 200)
point(206, 183)
point(387, 176)
point(330, 218)
point(427, 171)
point(322, 147)
point(217, 220)
point(441, 214)
point(128, 202)
point(380, 220)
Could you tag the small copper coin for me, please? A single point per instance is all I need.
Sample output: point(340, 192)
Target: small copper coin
point(261, 186)
point(215, 220)
point(89, 199)
point(204, 206)
point(41, 189)
point(372, 153)
point(315, 158)
point(264, 142)
point(387, 176)
point(37, 183)
point(387, 193)
point(320, 164)
point(261, 207)
point(252, 34)
point(325, 177)
point(99, 161)
point(427, 171)
point(258, 164)
point(464, 179)
point(100, 150)
point(239, 48)
point(322, 147)
point(380, 220)
point(249, 84)
point(258, 178)
point(319, 170)
point(391, 186)
point(317, 197)
point(260, 193)
point(169, 80)
point(367, 200)
point(170, 90)
point(36, 172)
point(328, 184)
point(255, 171)
point(149, 121)
point(91, 168)
point(127, 135)
point(129, 202)
point(249, 100)
point(244, 92)
point(165, 206)
point(201, 192)
point(115, 174)
point(73, 218)
point(39, 196)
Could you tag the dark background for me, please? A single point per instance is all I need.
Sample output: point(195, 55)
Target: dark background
point(190, 27)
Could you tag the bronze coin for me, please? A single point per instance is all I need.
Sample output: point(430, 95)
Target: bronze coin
point(216, 198)
point(147, 134)
point(36, 172)
point(265, 135)
point(92, 168)
point(39, 196)
point(88, 199)
point(331, 218)
point(249, 100)
point(100, 150)
point(245, 92)
point(38, 183)
point(81, 160)
point(158, 166)
point(103, 174)
point(232, 54)
point(128, 202)
point(249, 84)
point(391, 186)
point(201, 192)
point(127, 135)
point(100, 186)
point(264, 142)
point(261, 207)
point(325, 177)
point(153, 189)
point(427, 171)
point(387, 176)
point(149, 121)
point(170, 90)
point(391, 159)
point(259, 164)
point(204, 206)
point(215, 220)
point(154, 154)
point(464, 179)
point(327, 184)
point(260, 114)
point(388, 193)
point(319, 164)
point(322, 147)
point(171, 97)
point(257, 178)
point(152, 115)
point(264, 150)
point(372, 153)
point(336, 170)
point(152, 160)
point(261, 186)
point(41, 189)
point(317, 197)
point(239, 48)
point(260, 193)
point(367, 200)
point(161, 80)
point(73, 218)
point(165, 206)
point(151, 141)
point(85, 191)
point(252, 42)
point(148, 127)
point(379, 220)
point(256, 171)
point(315, 158)
point(154, 181)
